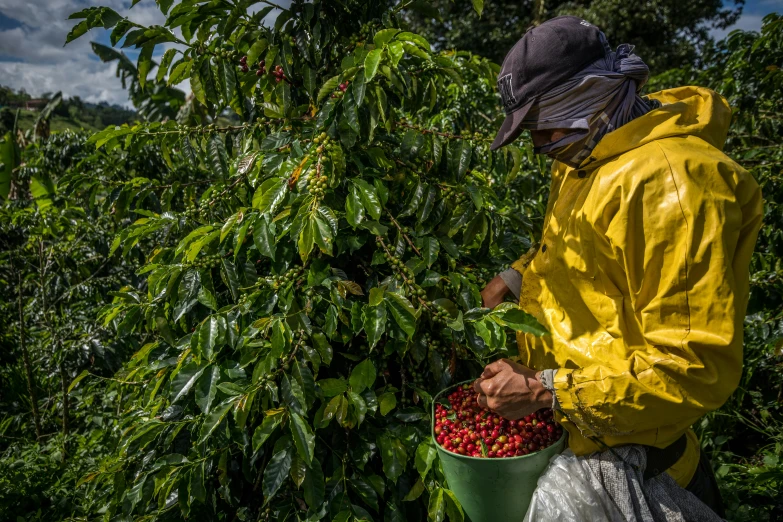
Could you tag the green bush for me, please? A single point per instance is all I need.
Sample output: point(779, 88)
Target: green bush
point(242, 312)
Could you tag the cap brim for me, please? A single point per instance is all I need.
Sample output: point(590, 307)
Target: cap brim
point(512, 127)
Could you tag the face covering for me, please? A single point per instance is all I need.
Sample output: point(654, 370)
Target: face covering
point(599, 99)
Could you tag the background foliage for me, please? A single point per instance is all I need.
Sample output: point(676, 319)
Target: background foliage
point(667, 33)
point(238, 308)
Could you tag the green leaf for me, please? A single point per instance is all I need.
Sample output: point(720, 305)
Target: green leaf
point(358, 87)
point(207, 336)
point(332, 387)
point(425, 456)
point(78, 378)
point(184, 380)
point(396, 51)
point(214, 419)
point(206, 388)
point(293, 395)
point(376, 296)
point(331, 409)
point(521, 321)
point(306, 238)
point(476, 196)
point(197, 84)
point(458, 157)
point(165, 62)
point(402, 311)
point(263, 237)
point(416, 39)
point(328, 88)
point(371, 63)
point(145, 63)
point(387, 402)
point(478, 5)
point(436, 511)
point(362, 376)
point(314, 485)
point(10, 158)
point(180, 72)
point(230, 277)
point(374, 322)
point(93, 17)
point(229, 225)
point(275, 473)
point(369, 196)
point(187, 293)
point(415, 492)
point(322, 229)
point(354, 209)
point(384, 36)
point(308, 80)
point(228, 80)
point(269, 195)
point(393, 456)
point(207, 79)
point(266, 429)
point(322, 344)
point(429, 250)
point(453, 507)
point(304, 438)
point(415, 199)
point(255, 52)
point(218, 157)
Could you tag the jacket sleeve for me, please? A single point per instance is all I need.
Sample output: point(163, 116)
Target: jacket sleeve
point(680, 239)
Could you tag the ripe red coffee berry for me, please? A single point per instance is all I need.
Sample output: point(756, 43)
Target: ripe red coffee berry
point(465, 428)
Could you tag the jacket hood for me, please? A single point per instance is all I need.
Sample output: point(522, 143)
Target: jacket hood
point(685, 111)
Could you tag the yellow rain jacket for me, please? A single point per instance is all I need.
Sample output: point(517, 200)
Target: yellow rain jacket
point(642, 279)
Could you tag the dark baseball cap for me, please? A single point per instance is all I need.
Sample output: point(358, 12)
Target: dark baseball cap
point(544, 57)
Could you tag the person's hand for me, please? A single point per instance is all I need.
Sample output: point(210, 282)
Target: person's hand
point(494, 293)
point(511, 390)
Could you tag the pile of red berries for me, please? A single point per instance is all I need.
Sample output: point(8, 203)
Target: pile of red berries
point(243, 64)
point(468, 429)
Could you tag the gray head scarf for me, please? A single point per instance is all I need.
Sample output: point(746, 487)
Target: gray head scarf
point(598, 100)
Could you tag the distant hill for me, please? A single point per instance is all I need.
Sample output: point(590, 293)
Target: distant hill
point(72, 113)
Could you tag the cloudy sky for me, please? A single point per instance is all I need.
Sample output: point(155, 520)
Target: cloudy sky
point(32, 55)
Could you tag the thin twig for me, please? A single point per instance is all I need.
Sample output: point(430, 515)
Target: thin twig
point(408, 239)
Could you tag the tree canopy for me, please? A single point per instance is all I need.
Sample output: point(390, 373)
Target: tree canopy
point(666, 33)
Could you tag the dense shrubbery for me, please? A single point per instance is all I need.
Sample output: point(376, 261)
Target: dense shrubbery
point(745, 437)
point(247, 321)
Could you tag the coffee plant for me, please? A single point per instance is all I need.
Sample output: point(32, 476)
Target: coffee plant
point(240, 308)
point(304, 296)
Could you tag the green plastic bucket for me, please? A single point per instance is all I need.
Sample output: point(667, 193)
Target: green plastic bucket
point(493, 490)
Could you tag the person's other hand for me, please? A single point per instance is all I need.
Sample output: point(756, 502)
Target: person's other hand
point(511, 390)
point(494, 293)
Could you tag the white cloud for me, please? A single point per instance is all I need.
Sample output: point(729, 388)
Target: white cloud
point(32, 56)
point(90, 80)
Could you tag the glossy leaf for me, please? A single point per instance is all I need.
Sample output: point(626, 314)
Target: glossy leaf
point(206, 388)
point(402, 311)
point(185, 379)
point(276, 472)
point(215, 417)
point(371, 63)
point(264, 431)
point(303, 437)
point(362, 376)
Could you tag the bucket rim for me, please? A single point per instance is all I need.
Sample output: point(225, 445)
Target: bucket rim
point(443, 450)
